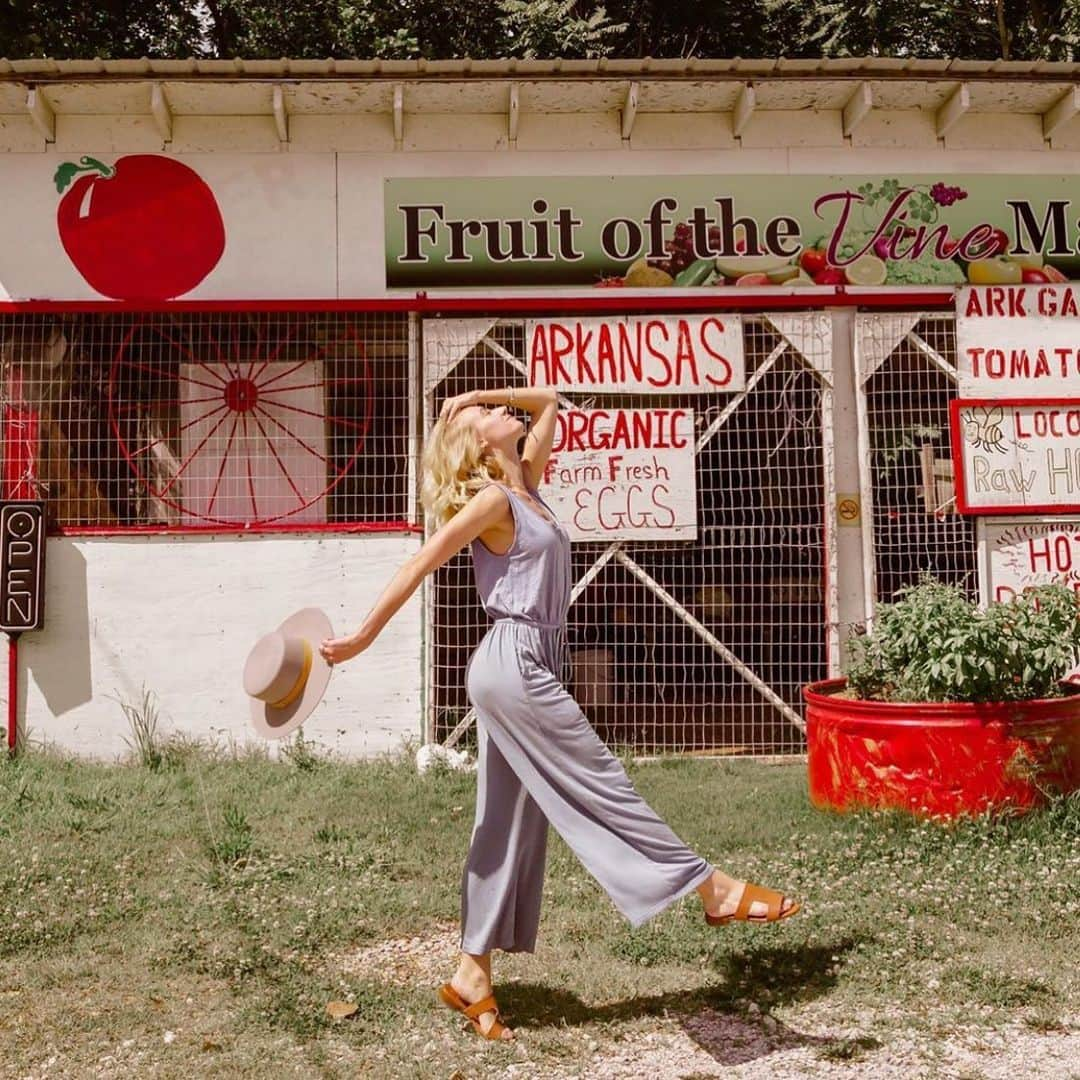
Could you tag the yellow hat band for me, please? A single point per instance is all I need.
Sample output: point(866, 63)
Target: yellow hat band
point(298, 686)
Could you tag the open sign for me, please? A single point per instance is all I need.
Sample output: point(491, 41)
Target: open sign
point(22, 566)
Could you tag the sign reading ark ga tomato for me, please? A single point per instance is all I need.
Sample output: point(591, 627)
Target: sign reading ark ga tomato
point(1018, 341)
point(638, 354)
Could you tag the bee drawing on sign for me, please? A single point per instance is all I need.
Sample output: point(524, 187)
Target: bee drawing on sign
point(982, 429)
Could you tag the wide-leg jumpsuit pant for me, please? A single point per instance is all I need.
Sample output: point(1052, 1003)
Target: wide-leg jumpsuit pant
point(541, 763)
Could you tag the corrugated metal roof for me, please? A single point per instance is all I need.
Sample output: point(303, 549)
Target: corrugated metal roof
point(46, 70)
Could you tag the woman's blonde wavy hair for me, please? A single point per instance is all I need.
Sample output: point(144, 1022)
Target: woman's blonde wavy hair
point(456, 466)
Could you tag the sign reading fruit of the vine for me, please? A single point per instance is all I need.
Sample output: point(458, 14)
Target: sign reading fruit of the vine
point(659, 354)
point(710, 231)
point(1016, 456)
point(1017, 554)
point(1018, 341)
point(624, 474)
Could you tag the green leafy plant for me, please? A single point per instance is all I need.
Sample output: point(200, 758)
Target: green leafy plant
point(934, 644)
point(233, 846)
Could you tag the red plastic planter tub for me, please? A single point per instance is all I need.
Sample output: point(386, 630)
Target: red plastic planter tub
point(939, 760)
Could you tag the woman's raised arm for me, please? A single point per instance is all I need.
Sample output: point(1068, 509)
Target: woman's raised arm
point(542, 405)
point(483, 511)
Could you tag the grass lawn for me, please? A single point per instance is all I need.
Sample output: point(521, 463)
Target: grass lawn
point(196, 919)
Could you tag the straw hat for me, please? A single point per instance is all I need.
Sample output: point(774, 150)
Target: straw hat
point(285, 676)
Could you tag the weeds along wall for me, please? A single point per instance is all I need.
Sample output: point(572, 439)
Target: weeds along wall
point(205, 472)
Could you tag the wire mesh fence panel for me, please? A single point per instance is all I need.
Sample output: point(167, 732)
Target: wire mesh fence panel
point(907, 365)
point(208, 420)
point(681, 646)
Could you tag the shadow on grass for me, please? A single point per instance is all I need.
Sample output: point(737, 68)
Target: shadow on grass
point(716, 1016)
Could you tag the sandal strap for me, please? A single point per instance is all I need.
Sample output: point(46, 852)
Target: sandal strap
point(772, 899)
point(496, 1029)
point(487, 1004)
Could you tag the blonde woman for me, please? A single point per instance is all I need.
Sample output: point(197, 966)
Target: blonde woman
point(540, 762)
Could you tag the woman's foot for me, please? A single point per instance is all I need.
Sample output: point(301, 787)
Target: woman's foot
point(473, 989)
point(721, 895)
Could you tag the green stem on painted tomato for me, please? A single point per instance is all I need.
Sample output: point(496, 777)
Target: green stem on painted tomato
point(65, 173)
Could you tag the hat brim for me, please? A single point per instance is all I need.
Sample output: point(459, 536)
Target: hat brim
point(313, 625)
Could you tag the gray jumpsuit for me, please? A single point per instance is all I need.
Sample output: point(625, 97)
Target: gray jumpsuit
point(540, 760)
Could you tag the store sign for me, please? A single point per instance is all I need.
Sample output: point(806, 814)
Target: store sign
point(1018, 341)
point(624, 474)
point(1017, 554)
point(151, 227)
point(638, 354)
point(22, 566)
point(709, 231)
point(1016, 456)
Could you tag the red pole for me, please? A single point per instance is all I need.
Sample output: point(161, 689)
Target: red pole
point(13, 693)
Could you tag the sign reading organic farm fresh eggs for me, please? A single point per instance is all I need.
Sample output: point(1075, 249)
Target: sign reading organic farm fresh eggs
point(1018, 341)
point(637, 354)
point(705, 231)
point(619, 474)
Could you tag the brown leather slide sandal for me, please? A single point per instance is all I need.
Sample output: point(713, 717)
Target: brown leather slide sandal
point(773, 900)
point(452, 999)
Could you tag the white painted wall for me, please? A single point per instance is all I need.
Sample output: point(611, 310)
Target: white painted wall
point(179, 614)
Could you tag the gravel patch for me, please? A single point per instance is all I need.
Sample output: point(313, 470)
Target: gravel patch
point(821, 1039)
point(427, 959)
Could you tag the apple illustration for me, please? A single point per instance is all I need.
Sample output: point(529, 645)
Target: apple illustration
point(148, 228)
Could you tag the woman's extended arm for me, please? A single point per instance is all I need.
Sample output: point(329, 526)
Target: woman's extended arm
point(542, 405)
point(483, 511)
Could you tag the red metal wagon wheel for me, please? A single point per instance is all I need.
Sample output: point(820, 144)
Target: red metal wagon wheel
point(245, 392)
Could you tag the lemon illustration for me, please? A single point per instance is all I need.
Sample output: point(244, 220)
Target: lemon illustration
point(866, 270)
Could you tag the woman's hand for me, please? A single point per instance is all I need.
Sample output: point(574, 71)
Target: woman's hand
point(336, 650)
point(453, 405)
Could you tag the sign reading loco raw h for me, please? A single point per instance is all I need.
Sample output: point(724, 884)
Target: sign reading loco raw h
point(1016, 456)
point(621, 474)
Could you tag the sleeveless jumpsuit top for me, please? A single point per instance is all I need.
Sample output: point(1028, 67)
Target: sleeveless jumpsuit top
point(527, 590)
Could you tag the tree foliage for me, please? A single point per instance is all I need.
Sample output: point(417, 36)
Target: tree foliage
point(398, 29)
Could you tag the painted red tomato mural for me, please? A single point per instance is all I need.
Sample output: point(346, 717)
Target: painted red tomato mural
point(146, 228)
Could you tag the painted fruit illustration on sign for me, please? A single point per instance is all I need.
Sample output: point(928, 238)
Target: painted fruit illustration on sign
point(146, 228)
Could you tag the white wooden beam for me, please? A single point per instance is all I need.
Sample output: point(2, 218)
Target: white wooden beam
point(513, 113)
point(281, 116)
point(858, 107)
point(745, 104)
point(958, 104)
point(159, 106)
point(399, 115)
point(41, 113)
point(630, 109)
point(1061, 112)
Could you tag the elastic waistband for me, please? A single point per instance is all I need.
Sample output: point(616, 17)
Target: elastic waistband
point(524, 620)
